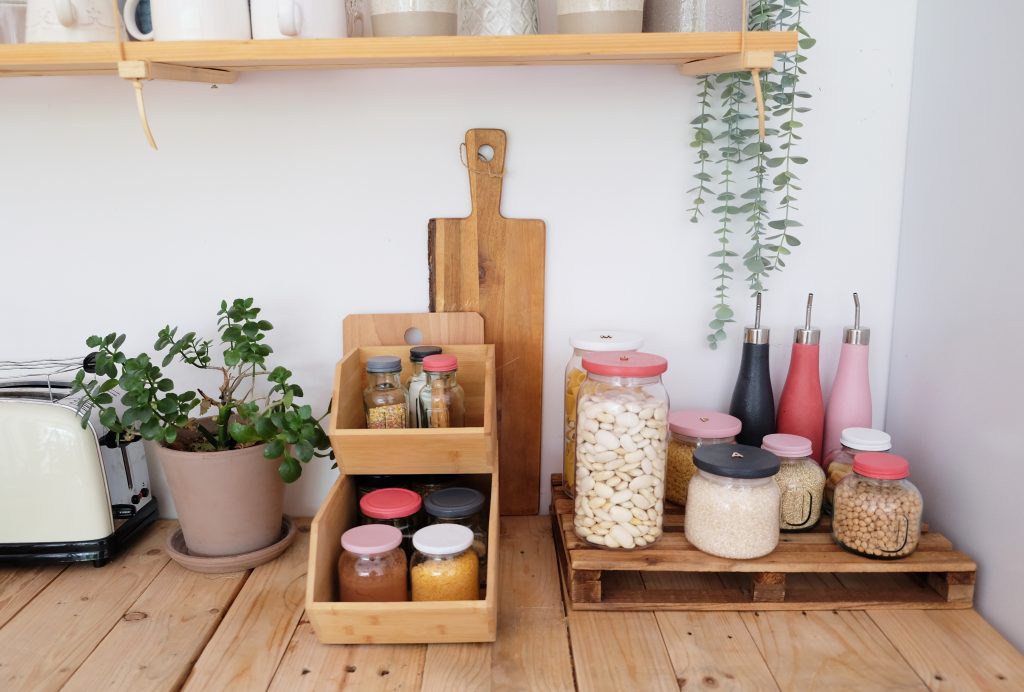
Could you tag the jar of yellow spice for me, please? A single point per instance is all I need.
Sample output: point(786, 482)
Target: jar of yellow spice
point(584, 344)
point(691, 429)
point(444, 566)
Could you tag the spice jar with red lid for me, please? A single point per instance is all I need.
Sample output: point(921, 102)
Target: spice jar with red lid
point(621, 448)
point(442, 401)
point(876, 510)
point(396, 507)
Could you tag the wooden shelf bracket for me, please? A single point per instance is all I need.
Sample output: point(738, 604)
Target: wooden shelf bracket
point(145, 69)
point(736, 62)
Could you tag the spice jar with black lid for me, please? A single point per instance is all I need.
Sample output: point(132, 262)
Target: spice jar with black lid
point(877, 511)
point(732, 507)
point(385, 401)
point(462, 506)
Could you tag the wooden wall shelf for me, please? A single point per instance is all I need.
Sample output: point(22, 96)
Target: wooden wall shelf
point(723, 52)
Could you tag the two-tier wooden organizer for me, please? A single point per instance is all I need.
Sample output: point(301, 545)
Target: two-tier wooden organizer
point(807, 571)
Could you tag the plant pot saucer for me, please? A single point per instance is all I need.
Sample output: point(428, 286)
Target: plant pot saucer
point(178, 551)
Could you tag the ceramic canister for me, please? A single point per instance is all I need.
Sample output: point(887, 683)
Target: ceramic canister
point(70, 21)
point(281, 19)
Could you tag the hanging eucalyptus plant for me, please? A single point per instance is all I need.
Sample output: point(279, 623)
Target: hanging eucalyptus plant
point(752, 183)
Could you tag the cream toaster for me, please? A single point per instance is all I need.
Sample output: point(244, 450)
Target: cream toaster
point(67, 493)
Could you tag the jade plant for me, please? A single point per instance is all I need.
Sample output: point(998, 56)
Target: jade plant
point(252, 404)
point(754, 182)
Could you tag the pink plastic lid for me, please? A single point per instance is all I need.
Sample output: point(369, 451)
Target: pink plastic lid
point(708, 425)
point(371, 539)
point(787, 446)
point(390, 503)
point(442, 362)
point(888, 467)
point(625, 364)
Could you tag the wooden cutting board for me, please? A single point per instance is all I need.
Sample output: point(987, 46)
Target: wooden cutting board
point(391, 329)
point(495, 266)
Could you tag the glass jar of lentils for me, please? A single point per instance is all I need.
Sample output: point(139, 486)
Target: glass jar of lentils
point(621, 449)
point(584, 344)
point(385, 400)
point(732, 507)
point(801, 481)
point(692, 429)
point(877, 511)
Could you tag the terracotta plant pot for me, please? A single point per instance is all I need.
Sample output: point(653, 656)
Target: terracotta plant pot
point(228, 503)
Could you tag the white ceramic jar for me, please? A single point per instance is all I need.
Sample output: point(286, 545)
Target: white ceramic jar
point(12, 21)
point(732, 505)
point(414, 17)
point(70, 21)
point(621, 447)
point(192, 20)
point(600, 16)
point(283, 19)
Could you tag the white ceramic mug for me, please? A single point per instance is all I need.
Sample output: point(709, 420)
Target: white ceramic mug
point(70, 21)
point(298, 19)
point(192, 20)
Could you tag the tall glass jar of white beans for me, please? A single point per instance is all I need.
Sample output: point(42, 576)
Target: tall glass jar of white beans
point(584, 344)
point(732, 507)
point(621, 449)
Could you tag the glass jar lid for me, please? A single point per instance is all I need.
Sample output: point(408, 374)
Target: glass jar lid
point(704, 424)
point(736, 461)
point(886, 467)
point(371, 539)
point(390, 503)
point(443, 539)
point(384, 364)
point(607, 340)
point(866, 439)
point(418, 353)
point(625, 364)
point(789, 446)
point(440, 363)
point(454, 502)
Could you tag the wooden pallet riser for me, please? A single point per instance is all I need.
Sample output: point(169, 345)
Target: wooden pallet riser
point(806, 572)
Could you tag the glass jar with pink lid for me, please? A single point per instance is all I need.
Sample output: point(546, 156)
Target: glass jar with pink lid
point(372, 566)
point(690, 429)
point(396, 507)
point(621, 448)
point(800, 478)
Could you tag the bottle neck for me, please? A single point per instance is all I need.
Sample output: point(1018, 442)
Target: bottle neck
point(383, 380)
point(443, 376)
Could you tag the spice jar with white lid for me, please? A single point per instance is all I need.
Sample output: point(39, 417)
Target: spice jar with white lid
point(385, 400)
point(800, 478)
point(442, 400)
point(444, 566)
point(691, 429)
point(732, 507)
point(583, 344)
point(621, 448)
point(840, 463)
point(877, 511)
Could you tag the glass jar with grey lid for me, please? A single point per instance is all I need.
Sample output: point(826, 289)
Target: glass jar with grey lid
point(416, 381)
point(385, 400)
point(497, 17)
point(462, 506)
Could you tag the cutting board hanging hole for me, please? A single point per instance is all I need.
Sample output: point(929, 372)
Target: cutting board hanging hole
point(413, 336)
point(485, 153)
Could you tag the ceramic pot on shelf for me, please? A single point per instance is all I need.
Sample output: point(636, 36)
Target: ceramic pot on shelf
point(70, 21)
point(191, 20)
point(692, 15)
point(498, 17)
point(600, 16)
point(12, 21)
point(414, 17)
point(282, 19)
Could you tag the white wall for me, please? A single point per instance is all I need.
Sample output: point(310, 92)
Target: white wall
point(954, 394)
point(311, 191)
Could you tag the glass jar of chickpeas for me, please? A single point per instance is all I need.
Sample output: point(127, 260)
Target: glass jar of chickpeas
point(584, 344)
point(691, 429)
point(876, 510)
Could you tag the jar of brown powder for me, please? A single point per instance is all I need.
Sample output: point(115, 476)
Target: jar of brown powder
point(372, 566)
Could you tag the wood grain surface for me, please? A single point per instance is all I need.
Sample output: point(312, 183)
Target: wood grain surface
point(495, 266)
point(435, 329)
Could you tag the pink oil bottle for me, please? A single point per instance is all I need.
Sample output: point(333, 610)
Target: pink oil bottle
point(849, 404)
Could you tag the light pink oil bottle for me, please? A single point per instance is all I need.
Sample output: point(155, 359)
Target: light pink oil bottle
point(849, 404)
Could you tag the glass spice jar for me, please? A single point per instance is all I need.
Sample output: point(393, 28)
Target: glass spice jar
point(444, 566)
point(384, 399)
point(732, 507)
point(462, 506)
point(584, 344)
point(397, 507)
point(372, 566)
point(877, 512)
point(426, 484)
point(621, 445)
point(367, 484)
point(800, 478)
point(442, 402)
point(692, 429)
point(416, 381)
point(839, 463)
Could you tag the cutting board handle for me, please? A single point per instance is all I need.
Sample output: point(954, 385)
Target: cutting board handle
point(485, 175)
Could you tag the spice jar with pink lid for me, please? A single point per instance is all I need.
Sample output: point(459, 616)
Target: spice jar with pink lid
point(801, 481)
point(442, 401)
point(372, 566)
point(691, 429)
point(397, 507)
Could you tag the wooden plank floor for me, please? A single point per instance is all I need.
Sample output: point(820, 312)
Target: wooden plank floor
point(144, 623)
